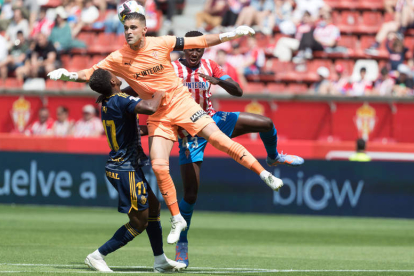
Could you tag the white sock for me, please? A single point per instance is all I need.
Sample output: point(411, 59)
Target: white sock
point(178, 217)
point(97, 253)
point(160, 258)
point(264, 174)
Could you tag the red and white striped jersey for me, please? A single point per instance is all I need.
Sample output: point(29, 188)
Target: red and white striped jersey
point(199, 87)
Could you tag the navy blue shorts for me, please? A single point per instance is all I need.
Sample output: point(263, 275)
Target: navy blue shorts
point(192, 148)
point(132, 189)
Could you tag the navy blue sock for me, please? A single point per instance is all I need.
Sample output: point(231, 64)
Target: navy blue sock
point(154, 231)
point(270, 142)
point(186, 210)
point(122, 236)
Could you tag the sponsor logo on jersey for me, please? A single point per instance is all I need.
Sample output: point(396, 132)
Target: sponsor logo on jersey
point(197, 85)
point(147, 72)
point(197, 115)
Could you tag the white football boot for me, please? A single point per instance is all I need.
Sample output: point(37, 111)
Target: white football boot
point(178, 224)
point(272, 181)
point(96, 261)
point(164, 265)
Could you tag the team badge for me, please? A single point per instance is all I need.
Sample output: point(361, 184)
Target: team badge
point(365, 120)
point(21, 113)
point(143, 200)
point(155, 54)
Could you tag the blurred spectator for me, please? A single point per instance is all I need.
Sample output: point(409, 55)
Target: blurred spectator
point(89, 125)
point(254, 59)
point(360, 155)
point(212, 14)
point(43, 59)
point(221, 59)
point(18, 24)
point(62, 126)
point(43, 126)
point(404, 84)
point(397, 50)
point(169, 11)
point(323, 86)
point(403, 19)
point(325, 35)
point(281, 17)
point(362, 86)
point(33, 8)
point(384, 84)
point(341, 84)
point(43, 24)
point(313, 7)
point(389, 6)
point(3, 54)
point(231, 15)
point(61, 35)
point(285, 46)
point(16, 58)
point(257, 14)
point(6, 14)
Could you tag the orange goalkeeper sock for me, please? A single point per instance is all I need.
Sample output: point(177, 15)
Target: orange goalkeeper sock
point(236, 151)
point(161, 170)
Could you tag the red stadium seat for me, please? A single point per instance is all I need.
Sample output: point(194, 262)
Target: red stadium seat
point(254, 88)
point(350, 21)
point(65, 60)
point(104, 44)
point(53, 3)
point(297, 88)
point(75, 85)
point(78, 62)
point(347, 64)
point(12, 83)
point(313, 65)
point(54, 85)
point(276, 88)
point(96, 59)
point(371, 22)
point(388, 17)
point(370, 4)
point(367, 41)
point(87, 37)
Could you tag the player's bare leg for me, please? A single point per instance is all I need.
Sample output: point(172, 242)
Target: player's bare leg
point(161, 262)
point(160, 149)
point(239, 153)
point(190, 174)
point(252, 123)
point(137, 223)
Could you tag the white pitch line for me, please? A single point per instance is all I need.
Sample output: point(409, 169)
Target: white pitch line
point(212, 270)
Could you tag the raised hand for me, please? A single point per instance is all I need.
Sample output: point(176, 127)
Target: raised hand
point(63, 74)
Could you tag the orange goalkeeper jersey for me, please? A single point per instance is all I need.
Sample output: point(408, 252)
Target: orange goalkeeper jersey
point(146, 70)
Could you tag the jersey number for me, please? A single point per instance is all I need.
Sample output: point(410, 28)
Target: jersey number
point(113, 144)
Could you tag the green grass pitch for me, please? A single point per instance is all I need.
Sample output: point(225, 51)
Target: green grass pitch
point(55, 241)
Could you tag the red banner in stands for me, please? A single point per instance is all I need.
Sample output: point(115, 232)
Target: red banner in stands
point(294, 120)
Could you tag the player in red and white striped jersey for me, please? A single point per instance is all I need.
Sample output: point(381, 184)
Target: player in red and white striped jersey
point(198, 75)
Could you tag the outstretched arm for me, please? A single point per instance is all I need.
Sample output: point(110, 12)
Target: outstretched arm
point(149, 107)
point(232, 87)
point(215, 39)
point(65, 75)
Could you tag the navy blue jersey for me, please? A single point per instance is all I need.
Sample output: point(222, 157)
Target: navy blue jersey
point(122, 131)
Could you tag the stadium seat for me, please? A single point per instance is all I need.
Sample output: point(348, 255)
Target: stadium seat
point(104, 44)
point(370, 4)
point(78, 62)
point(388, 17)
point(371, 22)
point(347, 64)
point(350, 21)
point(96, 59)
point(276, 88)
point(53, 4)
point(313, 65)
point(297, 88)
point(367, 41)
point(65, 60)
point(12, 83)
point(54, 85)
point(75, 85)
point(87, 37)
point(254, 88)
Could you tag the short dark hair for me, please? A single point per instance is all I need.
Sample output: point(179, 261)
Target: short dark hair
point(360, 144)
point(363, 69)
point(193, 34)
point(384, 70)
point(64, 108)
point(100, 82)
point(135, 15)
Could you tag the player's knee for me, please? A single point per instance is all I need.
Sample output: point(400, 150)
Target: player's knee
point(267, 124)
point(139, 224)
point(161, 168)
point(190, 198)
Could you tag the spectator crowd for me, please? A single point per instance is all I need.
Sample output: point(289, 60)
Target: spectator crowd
point(293, 34)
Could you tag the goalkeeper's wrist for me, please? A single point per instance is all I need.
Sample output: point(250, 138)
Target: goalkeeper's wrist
point(72, 76)
point(227, 36)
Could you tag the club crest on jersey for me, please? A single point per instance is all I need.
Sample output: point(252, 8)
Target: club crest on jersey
point(143, 200)
point(155, 54)
point(146, 72)
point(197, 115)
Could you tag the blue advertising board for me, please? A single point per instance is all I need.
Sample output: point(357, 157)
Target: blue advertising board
point(379, 189)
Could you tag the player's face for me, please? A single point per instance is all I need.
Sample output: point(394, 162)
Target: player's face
point(115, 81)
point(134, 31)
point(193, 56)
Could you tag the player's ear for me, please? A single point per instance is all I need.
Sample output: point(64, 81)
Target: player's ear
point(113, 82)
point(145, 30)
